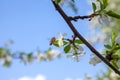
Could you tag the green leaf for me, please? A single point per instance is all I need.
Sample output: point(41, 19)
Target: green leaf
point(113, 14)
point(78, 41)
point(30, 57)
point(101, 5)
point(64, 42)
point(108, 46)
point(56, 43)
point(114, 64)
point(1, 50)
point(105, 2)
point(6, 63)
point(94, 7)
point(113, 38)
point(117, 48)
point(115, 57)
point(57, 1)
point(67, 48)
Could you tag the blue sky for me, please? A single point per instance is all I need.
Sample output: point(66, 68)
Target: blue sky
point(30, 24)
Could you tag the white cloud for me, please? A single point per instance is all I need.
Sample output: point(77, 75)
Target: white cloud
point(38, 77)
point(25, 78)
point(73, 79)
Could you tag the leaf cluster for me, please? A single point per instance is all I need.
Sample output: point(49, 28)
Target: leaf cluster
point(102, 5)
point(112, 51)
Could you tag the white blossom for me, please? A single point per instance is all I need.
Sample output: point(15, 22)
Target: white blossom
point(8, 58)
point(48, 55)
point(54, 52)
point(76, 56)
point(60, 40)
point(94, 60)
point(24, 57)
point(76, 52)
point(113, 76)
point(118, 40)
point(106, 78)
point(79, 49)
point(40, 57)
point(88, 77)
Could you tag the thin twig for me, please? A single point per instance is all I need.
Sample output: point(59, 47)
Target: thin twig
point(71, 26)
point(75, 18)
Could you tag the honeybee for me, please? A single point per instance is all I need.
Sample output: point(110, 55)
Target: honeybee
point(52, 40)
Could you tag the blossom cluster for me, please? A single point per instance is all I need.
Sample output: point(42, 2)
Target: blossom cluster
point(72, 47)
point(6, 56)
